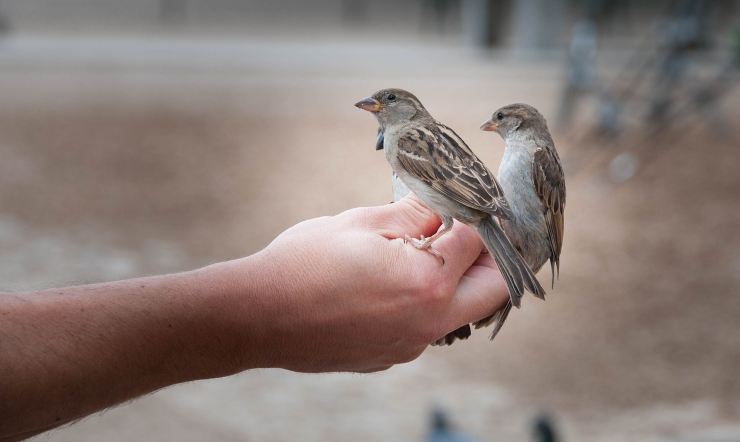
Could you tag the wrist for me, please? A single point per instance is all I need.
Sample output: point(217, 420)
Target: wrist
point(235, 316)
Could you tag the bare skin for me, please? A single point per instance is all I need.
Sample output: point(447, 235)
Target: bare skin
point(362, 301)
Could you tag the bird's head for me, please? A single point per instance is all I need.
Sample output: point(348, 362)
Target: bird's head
point(513, 118)
point(393, 106)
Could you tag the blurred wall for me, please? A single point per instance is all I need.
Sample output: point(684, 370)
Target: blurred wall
point(521, 25)
point(111, 15)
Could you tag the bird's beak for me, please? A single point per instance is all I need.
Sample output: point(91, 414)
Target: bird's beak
point(369, 104)
point(489, 126)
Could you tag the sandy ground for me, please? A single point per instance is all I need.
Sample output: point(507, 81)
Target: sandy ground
point(126, 162)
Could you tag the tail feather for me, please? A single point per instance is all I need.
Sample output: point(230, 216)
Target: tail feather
point(515, 271)
point(552, 270)
point(461, 333)
point(513, 267)
point(497, 318)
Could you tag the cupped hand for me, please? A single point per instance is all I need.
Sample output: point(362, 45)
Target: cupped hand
point(345, 293)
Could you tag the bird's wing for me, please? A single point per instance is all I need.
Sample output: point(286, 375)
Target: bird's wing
point(439, 157)
point(549, 184)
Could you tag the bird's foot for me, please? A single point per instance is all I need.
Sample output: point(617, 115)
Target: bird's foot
point(424, 244)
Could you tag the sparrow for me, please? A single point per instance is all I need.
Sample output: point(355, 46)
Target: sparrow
point(532, 179)
point(437, 165)
point(400, 190)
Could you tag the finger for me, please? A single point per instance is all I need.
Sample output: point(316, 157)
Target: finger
point(408, 216)
point(482, 291)
point(303, 226)
point(460, 248)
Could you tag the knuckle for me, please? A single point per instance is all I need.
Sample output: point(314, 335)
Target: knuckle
point(418, 284)
point(418, 209)
point(431, 291)
point(439, 290)
point(358, 215)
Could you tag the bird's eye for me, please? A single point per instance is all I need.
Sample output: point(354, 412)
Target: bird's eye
point(500, 116)
point(391, 97)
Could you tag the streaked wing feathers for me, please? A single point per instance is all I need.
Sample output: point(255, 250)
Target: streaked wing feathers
point(549, 184)
point(440, 158)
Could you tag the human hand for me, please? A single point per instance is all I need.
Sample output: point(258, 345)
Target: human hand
point(344, 293)
point(341, 293)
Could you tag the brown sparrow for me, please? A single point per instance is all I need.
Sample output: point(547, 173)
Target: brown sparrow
point(437, 165)
point(532, 180)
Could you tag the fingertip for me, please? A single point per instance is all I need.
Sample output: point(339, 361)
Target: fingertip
point(480, 294)
point(408, 216)
point(461, 247)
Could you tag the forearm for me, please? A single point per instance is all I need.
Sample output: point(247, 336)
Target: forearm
point(65, 353)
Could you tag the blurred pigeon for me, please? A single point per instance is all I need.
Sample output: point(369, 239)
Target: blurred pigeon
point(543, 430)
point(442, 430)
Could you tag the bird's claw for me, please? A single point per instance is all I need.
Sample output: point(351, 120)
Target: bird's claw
point(424, 244)
point(415, 241)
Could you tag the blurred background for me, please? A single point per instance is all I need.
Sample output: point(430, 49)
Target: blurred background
point(141, 137)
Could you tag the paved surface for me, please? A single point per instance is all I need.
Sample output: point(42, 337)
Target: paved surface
point(133, 157)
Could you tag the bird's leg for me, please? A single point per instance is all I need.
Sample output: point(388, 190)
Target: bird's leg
point(426, 243)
